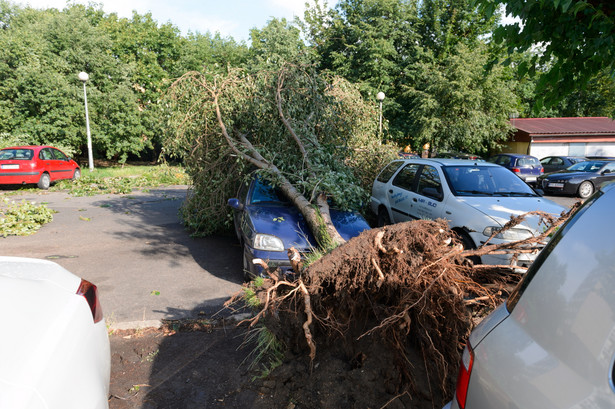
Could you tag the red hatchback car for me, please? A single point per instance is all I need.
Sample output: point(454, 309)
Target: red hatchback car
point(36, 164)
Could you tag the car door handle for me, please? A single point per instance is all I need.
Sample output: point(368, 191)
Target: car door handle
point(414, 199)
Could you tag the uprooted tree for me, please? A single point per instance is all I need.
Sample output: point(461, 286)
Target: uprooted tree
point(404, 296)
point(309, 134)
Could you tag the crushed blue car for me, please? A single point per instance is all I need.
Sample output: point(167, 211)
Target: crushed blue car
point(267, 224)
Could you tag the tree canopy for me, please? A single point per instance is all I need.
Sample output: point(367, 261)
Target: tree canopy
point(306, 132)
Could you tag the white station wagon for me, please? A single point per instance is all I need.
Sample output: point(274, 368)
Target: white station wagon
point(476, 198)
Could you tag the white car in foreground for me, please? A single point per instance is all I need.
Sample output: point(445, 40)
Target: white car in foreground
point(552, 344)
point(476, 198)
point(54, 348)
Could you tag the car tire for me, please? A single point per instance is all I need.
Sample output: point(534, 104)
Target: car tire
point(468, 244)
point(77, 174)
point(585, 189)
point(44, 182)
point(383, 217)
point(247, 275)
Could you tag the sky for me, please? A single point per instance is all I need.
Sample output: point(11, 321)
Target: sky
point(232, 18)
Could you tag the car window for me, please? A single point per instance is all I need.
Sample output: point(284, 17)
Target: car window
point(590, 166)
point(502, 160)
point(388, 171)
point(18, 154)
point(485, 181)
point(429, 183)
point(45, 154)
point(547, 161)
point(557, 161)
point(610, 166)
point(528, 162)
point(59, 155)
point(405, 177)
point(265, 193)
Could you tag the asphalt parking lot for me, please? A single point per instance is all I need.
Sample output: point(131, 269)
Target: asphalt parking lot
point(134, 248)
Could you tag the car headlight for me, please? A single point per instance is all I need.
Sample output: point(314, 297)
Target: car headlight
point(268, 242)
point(513, 234)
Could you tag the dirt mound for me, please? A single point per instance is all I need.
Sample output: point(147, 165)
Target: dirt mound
point(380, 320)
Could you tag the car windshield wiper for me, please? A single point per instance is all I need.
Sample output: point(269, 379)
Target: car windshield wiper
point(475, 192)
point(514, 194)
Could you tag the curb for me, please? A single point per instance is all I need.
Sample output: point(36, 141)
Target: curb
point(138, 325)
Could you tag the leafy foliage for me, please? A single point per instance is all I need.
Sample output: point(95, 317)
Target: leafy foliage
point(326, 112)
point(22, 218)
point(576, 37)
point(426, 57)
point(456, 105)
point(130, 63)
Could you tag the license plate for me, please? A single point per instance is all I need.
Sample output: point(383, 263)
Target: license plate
point(530, 179)
point(10, 166)
point(557, 185)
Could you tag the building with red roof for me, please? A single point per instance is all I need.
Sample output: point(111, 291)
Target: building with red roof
point(540, 137)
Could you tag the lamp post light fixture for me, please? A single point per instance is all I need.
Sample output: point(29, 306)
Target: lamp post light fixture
point(380, 98)
point(84, 77)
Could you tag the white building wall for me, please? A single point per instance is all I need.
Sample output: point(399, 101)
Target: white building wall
point(600, 149)
point(540, 150)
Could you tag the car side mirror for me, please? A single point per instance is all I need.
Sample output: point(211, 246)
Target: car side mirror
point(604, 172)
point(235, 204)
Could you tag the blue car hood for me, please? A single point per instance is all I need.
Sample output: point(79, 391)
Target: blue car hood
point(287, 223)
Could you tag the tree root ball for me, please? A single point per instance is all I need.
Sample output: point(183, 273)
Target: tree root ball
point(401, 299)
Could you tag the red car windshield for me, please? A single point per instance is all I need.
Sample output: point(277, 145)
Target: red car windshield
point(16, 154)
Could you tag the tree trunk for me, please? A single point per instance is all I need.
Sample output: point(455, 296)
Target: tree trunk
point(318, 218)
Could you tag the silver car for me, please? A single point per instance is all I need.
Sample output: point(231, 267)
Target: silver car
point(476, 198)
point(552, 344)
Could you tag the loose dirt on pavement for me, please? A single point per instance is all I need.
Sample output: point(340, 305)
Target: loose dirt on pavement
point(206, 367)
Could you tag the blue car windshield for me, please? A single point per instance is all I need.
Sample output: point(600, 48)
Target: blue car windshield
point(485, 181)
point(265, 193)
point(592, 166)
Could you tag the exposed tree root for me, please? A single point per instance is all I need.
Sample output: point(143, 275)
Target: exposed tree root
point(408, 285)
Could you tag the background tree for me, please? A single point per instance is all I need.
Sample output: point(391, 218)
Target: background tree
point(41, 54)
point(457, 105)
point(417, 52)
point(275, 44)
point(576, 39)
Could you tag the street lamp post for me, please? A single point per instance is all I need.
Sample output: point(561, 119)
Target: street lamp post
point(83, 76)
point(380, 98)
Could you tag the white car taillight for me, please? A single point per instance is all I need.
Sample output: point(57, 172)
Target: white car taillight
point(463, 379)
point(90, 293)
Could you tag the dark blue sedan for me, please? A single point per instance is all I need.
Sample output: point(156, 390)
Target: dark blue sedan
point(526, 167)
point(580, 179)
point(267, 225)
